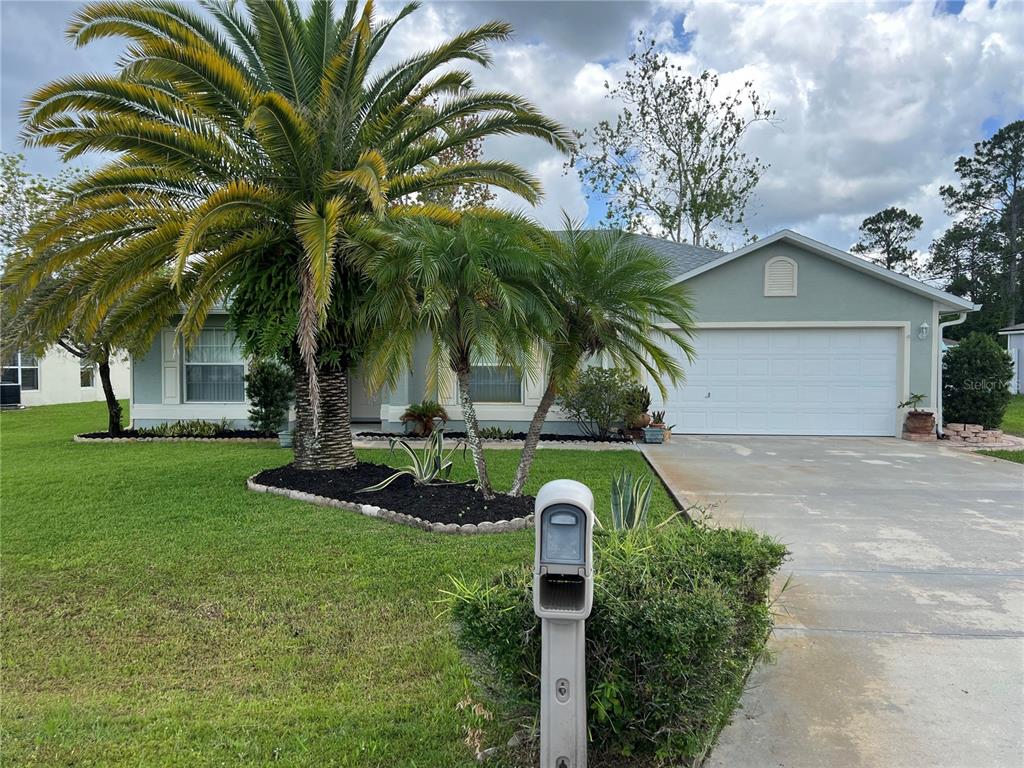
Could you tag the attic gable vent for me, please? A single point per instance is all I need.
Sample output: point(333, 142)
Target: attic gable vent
point(780, 277)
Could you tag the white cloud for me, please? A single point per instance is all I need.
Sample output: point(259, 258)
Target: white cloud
point(875, 100)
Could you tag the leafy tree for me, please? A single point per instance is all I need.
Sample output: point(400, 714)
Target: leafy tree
point(975, 377)
point(258, 148)
point(474, 288)
point(671, 163)
point(885, 238)
point(613, 297)
point(989, 199)
point(967, 262)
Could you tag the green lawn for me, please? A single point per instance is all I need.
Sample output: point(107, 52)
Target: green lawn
point(1017, 456)
point(157, 613)
point(1013, 419)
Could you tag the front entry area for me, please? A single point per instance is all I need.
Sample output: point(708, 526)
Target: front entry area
point(789, 381)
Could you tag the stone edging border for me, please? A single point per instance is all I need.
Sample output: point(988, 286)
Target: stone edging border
point(82, 439)
point(369, 510)
point(617, 445)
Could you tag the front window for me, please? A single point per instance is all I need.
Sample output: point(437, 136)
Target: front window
point(214, 370)
point(88, 374)
point(495, 384)
point(22, 368)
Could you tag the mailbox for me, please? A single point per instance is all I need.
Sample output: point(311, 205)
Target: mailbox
point(563, 594)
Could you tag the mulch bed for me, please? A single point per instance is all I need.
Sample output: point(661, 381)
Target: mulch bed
point(231, 434)
point(457, 503)
point(520, 436)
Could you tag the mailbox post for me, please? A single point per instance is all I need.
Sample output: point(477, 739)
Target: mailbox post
point(563, 593)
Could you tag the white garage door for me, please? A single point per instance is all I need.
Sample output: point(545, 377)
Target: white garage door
point(806, 381)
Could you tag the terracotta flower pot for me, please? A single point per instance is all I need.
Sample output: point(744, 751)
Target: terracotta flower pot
point(920, 422)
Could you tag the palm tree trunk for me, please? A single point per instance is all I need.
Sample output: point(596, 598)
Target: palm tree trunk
point(473, 433)
point(113, 405)
point(533, 438)
point(332, 447)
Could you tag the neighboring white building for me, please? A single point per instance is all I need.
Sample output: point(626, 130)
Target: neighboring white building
point(1015, 346)
point(60, 377)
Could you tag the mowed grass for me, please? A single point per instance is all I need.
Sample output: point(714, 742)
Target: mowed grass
point(1017, 456)
point(1013, 419)
point(157, 613)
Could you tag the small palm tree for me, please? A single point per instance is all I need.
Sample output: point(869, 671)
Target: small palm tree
point(474, 288)
point(257, 148)
point(613, 297)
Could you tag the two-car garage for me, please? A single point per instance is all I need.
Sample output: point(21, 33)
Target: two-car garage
point(790, 381)
point(794, 337)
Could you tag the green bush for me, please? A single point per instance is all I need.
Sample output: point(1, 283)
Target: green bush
point(269, 386)
point(599, 399)
point(975, 378)
point(680, 615)
point(496, 433)
point(188, 428)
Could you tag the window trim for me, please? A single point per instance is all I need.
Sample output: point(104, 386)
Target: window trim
point(244, 363)
point(795, 268)
point(18, 366)
point(500, 402)
point(82, 368)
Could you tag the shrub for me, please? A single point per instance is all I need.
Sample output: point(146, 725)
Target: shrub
point(423, 416)
point(496, 433)
point(270, 388)
point(976, 374)
point(189, 428)
point(680, 615)
point(598, 400)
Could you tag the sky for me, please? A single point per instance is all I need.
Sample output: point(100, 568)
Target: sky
point(874, 101)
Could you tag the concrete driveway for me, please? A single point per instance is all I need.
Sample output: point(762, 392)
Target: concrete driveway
point(903, 645)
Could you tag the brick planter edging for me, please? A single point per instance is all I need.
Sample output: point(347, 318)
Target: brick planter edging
point(83, 439)
point(369, 510)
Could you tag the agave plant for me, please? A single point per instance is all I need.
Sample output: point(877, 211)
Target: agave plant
point(257, 146)
point(630, 500)
point(431, 465)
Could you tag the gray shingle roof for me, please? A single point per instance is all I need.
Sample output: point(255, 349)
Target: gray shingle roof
point(682, 256)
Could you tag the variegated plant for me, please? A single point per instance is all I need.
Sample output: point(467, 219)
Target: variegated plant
point(432, 464)
point(630, 500)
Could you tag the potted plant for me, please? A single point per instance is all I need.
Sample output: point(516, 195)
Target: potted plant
point(636, 401)
point(918, 421)
point(658, 422)
point(269, 388)
point(424, 417)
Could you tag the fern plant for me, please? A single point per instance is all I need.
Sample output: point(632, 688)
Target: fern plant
point(630, 500)
point(431, 465)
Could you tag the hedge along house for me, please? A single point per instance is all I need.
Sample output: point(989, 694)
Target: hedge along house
point(795, 338)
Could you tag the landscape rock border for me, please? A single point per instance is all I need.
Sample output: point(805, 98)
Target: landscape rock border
point(83, 439)
point(370, 510)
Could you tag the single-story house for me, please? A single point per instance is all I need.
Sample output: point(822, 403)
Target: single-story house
point(795, 338)
point(60, 377)
point(1015, 346)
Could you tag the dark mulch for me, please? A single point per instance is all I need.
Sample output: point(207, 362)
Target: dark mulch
point(457, 503)
point(511, 436)
point(230, 433)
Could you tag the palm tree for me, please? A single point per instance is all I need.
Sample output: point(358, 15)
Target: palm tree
point(615, 298)
point(474, 288)
point(256, 151)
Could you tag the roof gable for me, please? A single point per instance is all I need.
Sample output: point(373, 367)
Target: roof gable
point(948, 301)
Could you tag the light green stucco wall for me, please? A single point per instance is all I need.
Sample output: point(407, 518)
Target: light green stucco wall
point(147, 385)
point(827, 292)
